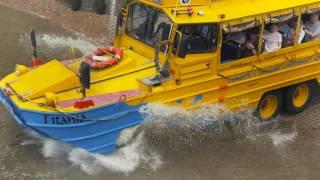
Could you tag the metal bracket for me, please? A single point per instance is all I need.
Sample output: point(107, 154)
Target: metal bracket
point(155, 80)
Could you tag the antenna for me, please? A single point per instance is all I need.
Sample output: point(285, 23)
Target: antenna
point(34, 46)
point(35, 60)
point(84, 78)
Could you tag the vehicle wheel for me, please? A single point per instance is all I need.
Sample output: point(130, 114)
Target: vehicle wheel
point(297, 98)
point(270, 105)
point(100, 6)
point(76, 5)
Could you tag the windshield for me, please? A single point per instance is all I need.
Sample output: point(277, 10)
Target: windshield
point(148, 24)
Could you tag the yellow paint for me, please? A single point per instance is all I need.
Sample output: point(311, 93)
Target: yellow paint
point(239, 83)
point(51, 77)
point(21, 69)
point(301, 95)
point(51, 100)
point(268, 107)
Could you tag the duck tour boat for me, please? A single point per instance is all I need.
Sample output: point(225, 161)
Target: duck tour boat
point(184, 53)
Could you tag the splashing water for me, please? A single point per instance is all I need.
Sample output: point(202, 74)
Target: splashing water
point(166, 129)
point(53, 46)
point(179, 126)
point(54, 41)
point(124, 160)
point(209, 120)
point(278, 138)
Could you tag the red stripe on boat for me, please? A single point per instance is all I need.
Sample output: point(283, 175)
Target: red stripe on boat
point(103, 99)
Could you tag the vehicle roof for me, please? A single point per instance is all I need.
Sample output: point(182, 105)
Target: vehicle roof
point(233, 9)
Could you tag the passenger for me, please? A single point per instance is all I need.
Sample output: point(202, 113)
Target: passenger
point(238, 37)
point(284, 28)
point(312, 28)
point(250, 46)
point(292, 33)
point(185, 43)
point(146, 29)
point(188, 33)
point(302, 34)
point(273, 39)
point(289, 31)
point(164, 30)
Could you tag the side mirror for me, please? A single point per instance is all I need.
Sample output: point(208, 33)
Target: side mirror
point(84, 77)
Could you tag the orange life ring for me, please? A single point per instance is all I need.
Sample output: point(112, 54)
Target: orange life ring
point(116, 53)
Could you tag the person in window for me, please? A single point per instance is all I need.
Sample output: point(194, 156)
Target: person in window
point(287, 30)
point(250, 46)
point(302, 34)
point(185, 45)
point(312, 28)
point(232, 46)
point(188, 33)
point(146, 29)
point(238, 37)
point(163, 30)
point(273, 39)
point(290, 35)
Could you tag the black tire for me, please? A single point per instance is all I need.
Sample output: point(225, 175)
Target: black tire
point(279, 98)
point(100, 7)
point(289, 105)
point(76, 5)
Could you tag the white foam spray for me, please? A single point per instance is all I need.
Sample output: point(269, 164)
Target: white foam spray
point(135, 144)
point(215, 117)
point(134, 150)
point(278, 138)
point(52, 46)
point(124, 160)
point(54, 41)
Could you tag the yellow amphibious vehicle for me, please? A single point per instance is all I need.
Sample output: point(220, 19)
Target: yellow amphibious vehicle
point(184, 53)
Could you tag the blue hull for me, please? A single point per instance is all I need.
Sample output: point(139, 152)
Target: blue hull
point(95, 130)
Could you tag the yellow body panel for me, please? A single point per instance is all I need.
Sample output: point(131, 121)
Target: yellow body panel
point(197, 79)
point(41, 80)
point(235, 9)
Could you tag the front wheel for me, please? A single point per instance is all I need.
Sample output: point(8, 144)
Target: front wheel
point(297, 98)
point(270, 105)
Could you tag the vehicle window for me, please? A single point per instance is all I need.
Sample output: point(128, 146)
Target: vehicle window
point(147, 24)
point(196, 39)
point(279, 32)
point(240, 41)
point(311, 25)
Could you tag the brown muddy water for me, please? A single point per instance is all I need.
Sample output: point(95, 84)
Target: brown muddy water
point(173, 145)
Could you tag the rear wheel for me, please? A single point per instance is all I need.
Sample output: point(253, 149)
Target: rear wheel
point(270, 105)
point(297, 98)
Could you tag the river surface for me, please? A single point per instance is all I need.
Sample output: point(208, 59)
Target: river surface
point(178, 145)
